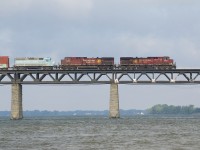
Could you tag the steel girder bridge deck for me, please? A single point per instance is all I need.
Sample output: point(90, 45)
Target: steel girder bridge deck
point(178, 76)
point(17, 78)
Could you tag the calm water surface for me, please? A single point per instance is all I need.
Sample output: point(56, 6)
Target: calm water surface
point(79, 133)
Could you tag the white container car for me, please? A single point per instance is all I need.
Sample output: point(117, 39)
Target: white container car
point(34, 63)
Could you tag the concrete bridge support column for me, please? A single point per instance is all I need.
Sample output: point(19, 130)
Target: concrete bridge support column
point(16, 103)
point(114, 101)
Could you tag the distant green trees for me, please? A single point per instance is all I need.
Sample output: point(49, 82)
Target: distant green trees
point(170, 109)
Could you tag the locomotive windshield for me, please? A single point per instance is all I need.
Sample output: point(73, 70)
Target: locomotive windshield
point(166, 58)
point(47, 59)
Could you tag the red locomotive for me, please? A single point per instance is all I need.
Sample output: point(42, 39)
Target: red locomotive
point(134, 63)
point(87, 63)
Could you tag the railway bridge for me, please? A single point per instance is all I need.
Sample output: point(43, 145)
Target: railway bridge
point(18, 78)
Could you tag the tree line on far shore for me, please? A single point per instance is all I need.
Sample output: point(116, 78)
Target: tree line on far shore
point(170, 109)
point(160, 109)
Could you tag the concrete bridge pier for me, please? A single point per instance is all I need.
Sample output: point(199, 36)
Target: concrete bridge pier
point(114, 101)
point(16, 103)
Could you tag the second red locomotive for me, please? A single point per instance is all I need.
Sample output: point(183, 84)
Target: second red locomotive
point(135, 63)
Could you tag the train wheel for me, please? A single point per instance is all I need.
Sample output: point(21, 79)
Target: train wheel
point(62, 67)
point(47, 68)
point(167, 68)
point(156, 67)
point(21, 68)
point(100, 68)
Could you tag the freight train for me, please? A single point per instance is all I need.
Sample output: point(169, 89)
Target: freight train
point(78, 63)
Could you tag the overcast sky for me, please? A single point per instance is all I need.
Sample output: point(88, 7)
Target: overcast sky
point(96, 28)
